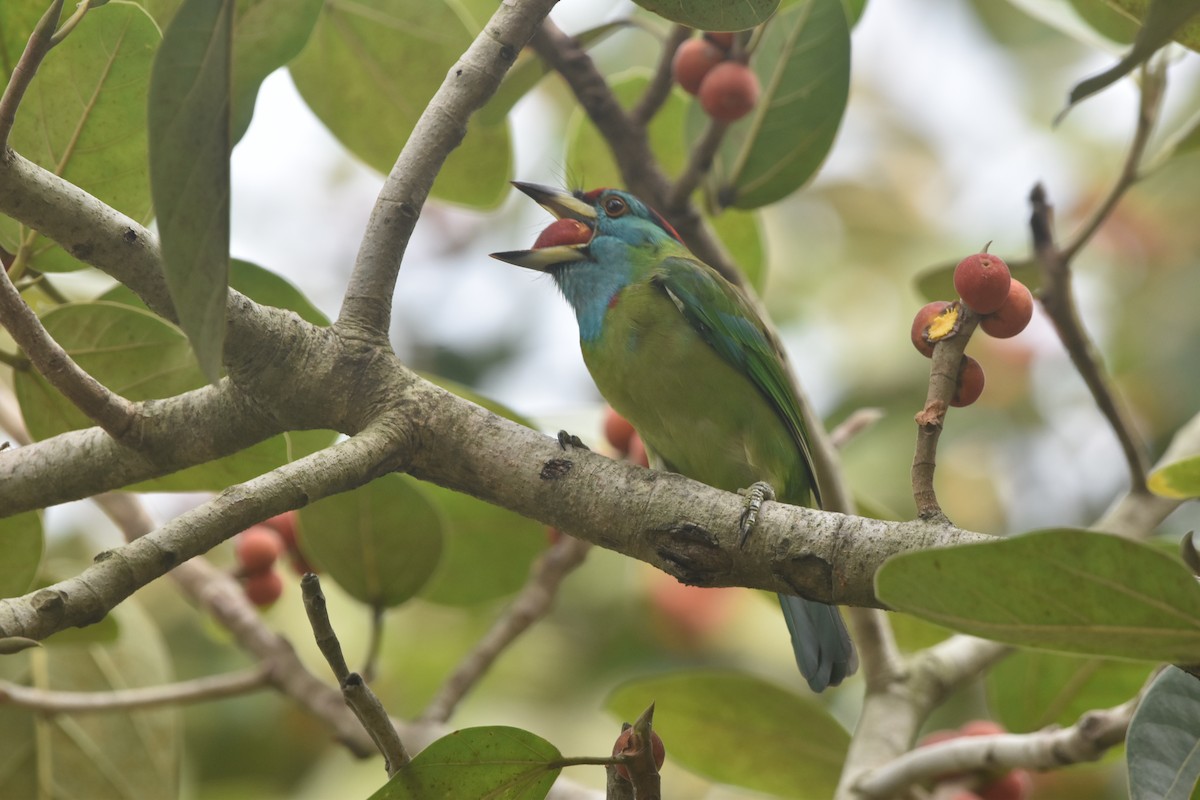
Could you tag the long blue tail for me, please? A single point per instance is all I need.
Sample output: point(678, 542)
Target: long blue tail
point(820, 641)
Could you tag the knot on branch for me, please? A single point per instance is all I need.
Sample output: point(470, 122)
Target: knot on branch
point(692, 554)
point(805, 570)
point(556, 468)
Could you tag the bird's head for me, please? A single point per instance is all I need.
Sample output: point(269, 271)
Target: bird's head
point(610, 225)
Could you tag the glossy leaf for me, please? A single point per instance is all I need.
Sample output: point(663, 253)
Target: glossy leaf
point(492, 763)
point(714, 15)
point(368, 72)
point(738, 729)
point(1032, 689)
point(380, 542)
point(111, 756)
point(937, 283)
point(21, 546)
point(84, 116)
point(1163, 745)
point(267, 34)
point(1066, 590)
point(1179, 480)
point(1162, 21)
point(189, 170)
point(803, 64)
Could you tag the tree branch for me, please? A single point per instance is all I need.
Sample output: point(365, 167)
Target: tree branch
point(532, 603)
point(199, 690)
point(661, 84)
point(367, 306)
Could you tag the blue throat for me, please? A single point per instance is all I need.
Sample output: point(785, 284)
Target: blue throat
point(590, 286)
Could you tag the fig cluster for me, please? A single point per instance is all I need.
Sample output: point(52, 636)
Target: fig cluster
point(986, 286)
point(1015, 784)
point(726, 88)
point(258, 550)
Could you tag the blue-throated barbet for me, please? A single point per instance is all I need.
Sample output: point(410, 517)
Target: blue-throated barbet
point(682, 354)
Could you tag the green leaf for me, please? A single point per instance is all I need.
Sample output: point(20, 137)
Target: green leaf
point(738, 729)
point(84, 116)
point(1163, 746)
point(588, 157)
point(803, 64)
point(1161, 22)
point(937, 283)
point(267, 34)
point(116, 755)
point(380, 542)
point(1187, 34)
point(741, 234)
point(1066, 590)
point(1179, 480)
point(1032, 689)
point(492, 763)
point(132, 352)
point(713, 15)
point(21, 546)
point(368, 72)
point(189, 170)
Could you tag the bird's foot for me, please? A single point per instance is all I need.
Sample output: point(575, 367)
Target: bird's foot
point(756, 495)
point(569, 440)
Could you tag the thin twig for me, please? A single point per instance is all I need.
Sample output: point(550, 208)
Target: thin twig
point(1091, 737)
point(359, 697)
point(199, 690)
point(531, 604)
point(660, 85)
point(374, 644)
point(859, 420)
point(1058, 298)
point(40, 42)
point(700, 161)
point(943, 377)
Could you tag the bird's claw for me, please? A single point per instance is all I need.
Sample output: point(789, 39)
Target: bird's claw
point(568, 441)
point(756, 495)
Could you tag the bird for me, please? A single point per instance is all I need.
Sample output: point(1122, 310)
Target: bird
point(683, 354)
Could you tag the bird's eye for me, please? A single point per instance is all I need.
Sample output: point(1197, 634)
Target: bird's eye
point(615, 206)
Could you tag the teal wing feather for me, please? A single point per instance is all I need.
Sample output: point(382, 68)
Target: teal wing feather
point(728, 322)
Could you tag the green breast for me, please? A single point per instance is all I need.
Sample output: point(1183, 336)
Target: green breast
point(694, 409)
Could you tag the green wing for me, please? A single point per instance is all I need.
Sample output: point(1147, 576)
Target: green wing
point(729, 323)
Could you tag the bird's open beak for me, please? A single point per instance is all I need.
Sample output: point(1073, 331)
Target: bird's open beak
point(563, 205)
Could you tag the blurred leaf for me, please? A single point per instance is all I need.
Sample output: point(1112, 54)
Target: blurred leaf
point(380, 542)
point(913, 633)
point(529, 70)
point(588, 156)
point(103, 632)
point(84, 116)
point(1187, 34)
point(492, 763)
point(1066, 590)
point(737, 729)
point(1163, 746)
point(741, 234)
point(1106, 20)
point(112, 756)
point(1162, 20)
point(713, 15)
point(1030, 690)
point(189, 170)
point(132, 352)
point(937, 283)
point(267, 34)
point(803, 64)
point(1179, 480)
point(21, 546)
point(15, 644)
point(368, 71)
point(854, 10)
